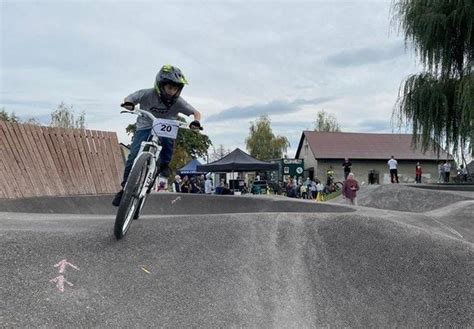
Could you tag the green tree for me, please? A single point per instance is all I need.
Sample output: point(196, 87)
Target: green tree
point(4, 116)
point(439, 102)
point(218, 153)
point(131, 128)
point(262, 143)
point(189, 144)
point(64, 117)
point(194, 143)
point(326, 122)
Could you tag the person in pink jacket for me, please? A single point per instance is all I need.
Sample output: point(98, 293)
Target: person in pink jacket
point(350, 188)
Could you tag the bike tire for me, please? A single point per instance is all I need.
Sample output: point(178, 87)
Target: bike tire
point(130, 204)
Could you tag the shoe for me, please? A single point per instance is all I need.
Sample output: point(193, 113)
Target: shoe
point(165, 170)
point(117, 198)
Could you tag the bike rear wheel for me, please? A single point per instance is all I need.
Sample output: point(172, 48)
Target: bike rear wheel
point(131, 202)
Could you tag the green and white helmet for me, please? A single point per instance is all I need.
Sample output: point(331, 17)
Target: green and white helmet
point(172, 75)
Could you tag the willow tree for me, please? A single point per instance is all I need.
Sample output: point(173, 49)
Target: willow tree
point(439, 102)
point(262, 143)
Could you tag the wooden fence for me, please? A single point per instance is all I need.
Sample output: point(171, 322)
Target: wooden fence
point(45, 161)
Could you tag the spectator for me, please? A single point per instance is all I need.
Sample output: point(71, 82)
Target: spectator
point(177, 184)
point(226, 190)
point(304, 191)
point(350, 188)
point(440, 172)
point(393, 167)
point(447, 171)
point(372, 180)
point(319, 190)
point(193, 186)
point(291, 188)
point(200, 182)
point(418, 173)
point(245, 189)
point(330, 175)
point(208, 186)
point(347, 167)
point(185, 187)
point(299, 184)
point(313, 190)
point(161, 186)
point(462, 174)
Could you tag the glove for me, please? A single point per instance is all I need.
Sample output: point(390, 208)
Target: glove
point(128, 105)
point(195, 125)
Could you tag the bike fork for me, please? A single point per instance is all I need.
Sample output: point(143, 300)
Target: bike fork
point(150, 179)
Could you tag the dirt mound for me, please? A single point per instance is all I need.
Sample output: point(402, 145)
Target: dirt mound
point(405, 198)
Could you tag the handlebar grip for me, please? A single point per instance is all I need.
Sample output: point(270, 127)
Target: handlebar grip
point(128, 105)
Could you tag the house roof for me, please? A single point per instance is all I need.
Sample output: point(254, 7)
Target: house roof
point(338, 145)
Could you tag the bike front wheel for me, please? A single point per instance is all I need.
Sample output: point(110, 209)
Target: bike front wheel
point(131, 200)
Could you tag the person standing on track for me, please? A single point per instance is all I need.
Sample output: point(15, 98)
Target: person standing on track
point(393, 167)
point(350, 188)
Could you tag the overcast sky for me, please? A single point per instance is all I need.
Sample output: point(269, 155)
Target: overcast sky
point(287, 59)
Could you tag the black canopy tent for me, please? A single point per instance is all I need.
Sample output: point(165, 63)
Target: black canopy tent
point(190, 168)
point(237, 160)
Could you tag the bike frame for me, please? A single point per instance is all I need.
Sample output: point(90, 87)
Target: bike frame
point(152, 147)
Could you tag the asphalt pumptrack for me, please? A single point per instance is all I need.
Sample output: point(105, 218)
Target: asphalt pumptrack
point(402, 258)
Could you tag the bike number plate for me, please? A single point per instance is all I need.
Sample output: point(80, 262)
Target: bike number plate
point(165, 128)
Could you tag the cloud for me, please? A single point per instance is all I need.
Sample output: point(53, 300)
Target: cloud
point(374, 125)
point(242, 60)
point(8, 103)
point(273, 107)
point(367, 55)
point(43, 119)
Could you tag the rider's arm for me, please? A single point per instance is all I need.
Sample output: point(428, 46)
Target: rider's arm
point(186, 109)
point(197, 115)
point(196, 124)
point(133, 98)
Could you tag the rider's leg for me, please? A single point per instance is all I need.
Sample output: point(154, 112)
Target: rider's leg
point(139, 137)
point(167, 148)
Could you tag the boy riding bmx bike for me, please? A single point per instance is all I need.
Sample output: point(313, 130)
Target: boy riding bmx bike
point(163, 101)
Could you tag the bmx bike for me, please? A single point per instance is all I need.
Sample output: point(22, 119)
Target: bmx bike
point(144, 170)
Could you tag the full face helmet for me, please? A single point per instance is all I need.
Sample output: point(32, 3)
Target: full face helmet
point(171, 75)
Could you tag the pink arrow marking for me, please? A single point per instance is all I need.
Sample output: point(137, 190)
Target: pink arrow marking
point(60, 280)
point(62, 265)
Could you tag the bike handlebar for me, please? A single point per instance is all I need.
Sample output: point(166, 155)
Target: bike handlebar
point(141, 112)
